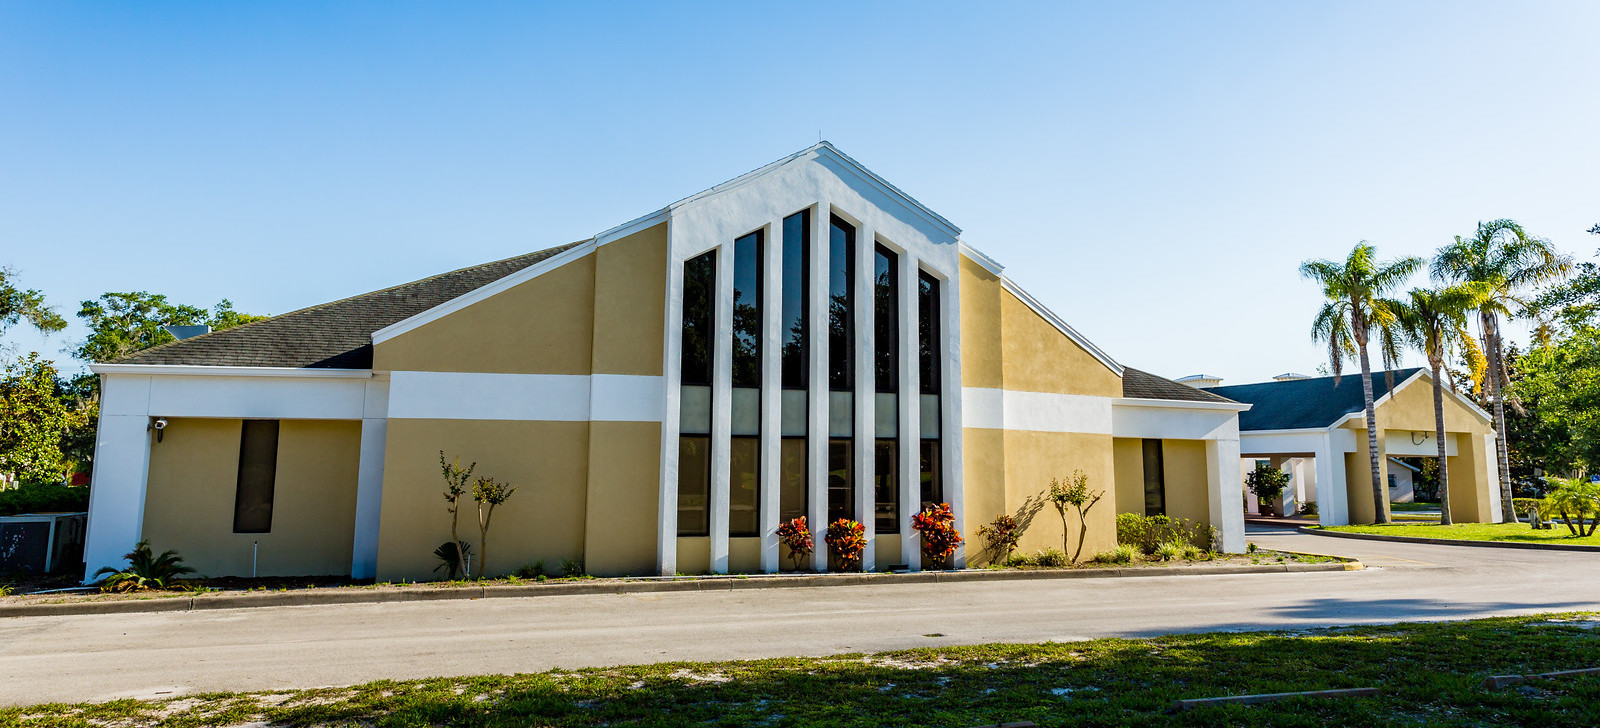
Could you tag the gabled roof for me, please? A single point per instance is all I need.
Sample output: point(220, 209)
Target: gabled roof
point(1137, 384)
point(335, 335)
point(1306, 403)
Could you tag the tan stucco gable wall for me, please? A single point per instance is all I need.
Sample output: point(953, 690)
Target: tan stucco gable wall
point(1024, 352)
point(630, 293)
point(980, 335)
point(193, 481)
point(1410, 408)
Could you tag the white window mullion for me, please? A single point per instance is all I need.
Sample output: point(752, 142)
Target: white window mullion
point(866, 392)
point(771, 392)
point(721, 410)
point(910, 401)
point(671, 367)
point(817, 397)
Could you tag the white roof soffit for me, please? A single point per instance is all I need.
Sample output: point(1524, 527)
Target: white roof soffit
point(1061, 325)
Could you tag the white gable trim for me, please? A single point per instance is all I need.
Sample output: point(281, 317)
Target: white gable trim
point(1061, 325)
point(474, 296)
point(1422, 374)
point(984, 261)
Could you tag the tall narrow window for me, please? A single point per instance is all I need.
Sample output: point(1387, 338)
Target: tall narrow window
point(744, 477)
point(841, 481)
point(694, 414)
point(929, 386)
point(258, 471)
point(793, 488)
point(841, 306)
point(1155, 484)
point(932, 484)
point(886, 485)
point(886, 320)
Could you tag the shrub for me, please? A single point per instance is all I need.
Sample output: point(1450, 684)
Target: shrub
point(452, 556)
point(1575, 499)
point(530, 571)
point(1523, 505)
point(490, 492)
point(7, 590)
point(1074, 491)
point(1122, 554)
point(1019, 560)
point(1307, 508)
point(1051, 557)
point(795, 535)
point(43, 498)
point(1001, 537)
point(1169, 551)
point(939, 535)
point(846, 541)
point(145, 570)
point(571, 568)
point(1146, 532)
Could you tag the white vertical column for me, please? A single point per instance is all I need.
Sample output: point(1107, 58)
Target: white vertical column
point(672, 390)
point(910, 401)
point(121, 472)
point(721, 410)
point(1497, 508)
point(1332, 506)
point(369, 479)
point(950, 405)
point(771, 391)
point(1226, 508)
point(817, 398)
point(866, 392)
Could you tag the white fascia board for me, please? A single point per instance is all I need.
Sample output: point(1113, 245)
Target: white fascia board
point(1061, 325)
point(478, 294)
point(1290, 431)
point(197, 370)
point(1179, 404)
point(983, 260)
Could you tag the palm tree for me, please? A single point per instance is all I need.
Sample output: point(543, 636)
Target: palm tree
point(1354, 312)
point(1503, 257)
point(1434, 321)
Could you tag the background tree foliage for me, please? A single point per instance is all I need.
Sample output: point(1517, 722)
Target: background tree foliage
point(18, 304)
point(38, 419)
point(1559, 386)
point(121, 324)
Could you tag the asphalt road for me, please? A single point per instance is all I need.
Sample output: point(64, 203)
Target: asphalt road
point(97, 657)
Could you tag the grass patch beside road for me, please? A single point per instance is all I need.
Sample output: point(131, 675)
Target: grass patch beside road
point(1429, 674)
point(1474, 532)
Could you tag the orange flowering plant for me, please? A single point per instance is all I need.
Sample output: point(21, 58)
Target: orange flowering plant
point(796, 537)
point(939, 535)
point(846, 540)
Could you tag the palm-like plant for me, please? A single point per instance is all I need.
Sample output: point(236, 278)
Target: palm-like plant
point(1355, 311)
point(1505, 259)
point(145, 570)
point(1434, 321)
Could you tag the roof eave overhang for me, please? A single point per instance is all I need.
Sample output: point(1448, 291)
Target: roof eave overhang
point(1179, 404)
point(195, 370)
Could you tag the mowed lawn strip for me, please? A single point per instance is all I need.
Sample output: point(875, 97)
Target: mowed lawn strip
point(1429, 675)
point(1475, 532)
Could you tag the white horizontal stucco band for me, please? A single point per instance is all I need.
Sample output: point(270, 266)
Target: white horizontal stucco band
point(548, 397)
point(1001, 409)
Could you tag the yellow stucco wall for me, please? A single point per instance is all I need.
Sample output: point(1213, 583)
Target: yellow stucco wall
point(1358, 475)
point(193, 481)
point(694, 554)
point(624, 480)
point(1037, 357)
point(543, 326)
point(1029, 460)
point(1128, 454)
point(980, 336)
point(630, 292)
point(1410, 408)
point(983, 486)
point(544, 519)
point(1183, 466)
point(1471, 496)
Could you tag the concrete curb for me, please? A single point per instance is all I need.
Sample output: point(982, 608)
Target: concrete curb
point(630, 586)
point(1449, 541)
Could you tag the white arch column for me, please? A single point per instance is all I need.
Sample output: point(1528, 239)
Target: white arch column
point(865, 430)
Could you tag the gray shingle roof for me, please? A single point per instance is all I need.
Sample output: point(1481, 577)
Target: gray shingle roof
point(1137, 384)
point(1305, 403)
point(335, 335)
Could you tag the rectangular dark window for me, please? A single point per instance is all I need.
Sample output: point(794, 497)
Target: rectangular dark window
point(744, 486)
point(792, 491)
point(747, 310)
point(885, 319)
point(796, 299)
point(1155, 483)
point(928, 333)
point(258, 472)
point(841, 481)
point(841, 305)
point(932, 484)
point(694, 484)
point(699, 320)
point(886, 486)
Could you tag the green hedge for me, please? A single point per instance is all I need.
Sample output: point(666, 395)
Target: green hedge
point(1523, 504)
point(43, 497)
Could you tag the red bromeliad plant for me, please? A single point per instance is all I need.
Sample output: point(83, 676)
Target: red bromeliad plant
point(939, 535)
point(795, 536)
point(846, 539)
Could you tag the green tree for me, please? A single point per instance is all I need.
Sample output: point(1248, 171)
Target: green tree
point(1354, 312)
point(19, 304)
point(1561, 379)
point(1508, 261)
point(121, 324)
point(35, 420)
point(1434, 321)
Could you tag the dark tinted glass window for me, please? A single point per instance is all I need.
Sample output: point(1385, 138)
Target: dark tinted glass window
point(699, 295)
point(841, 305)
point(258, 472)
point(796, 296)
point(841, 482)
point(928, 332)
point(1155, 484)
point(747, 310)
point(792, 479)
point(932, 487)
point(886, 486)
point(744, 485)
point(694, 484)
point(885, 317)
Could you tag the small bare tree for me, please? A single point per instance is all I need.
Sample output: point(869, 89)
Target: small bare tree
point(487, 492)
point(455, 486)
point(1074, 492)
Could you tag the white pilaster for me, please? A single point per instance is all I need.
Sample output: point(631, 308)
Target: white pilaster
point(1333, 507)
point(369, 480)
point(1226, 508)
point(721, 410)
point(910, 401)
point(817, 399)
point(671, 367)
point(121, 472)
point(866, 389)
point(771, 391)
point(950, 406)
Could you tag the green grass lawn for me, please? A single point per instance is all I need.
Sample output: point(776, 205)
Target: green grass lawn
point(1402, 507)
point(1476, 532)
point(1429, 675)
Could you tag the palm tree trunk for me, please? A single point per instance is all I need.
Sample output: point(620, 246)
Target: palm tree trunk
point(1444, 463)
point(1380, 494)
point(1491, 335)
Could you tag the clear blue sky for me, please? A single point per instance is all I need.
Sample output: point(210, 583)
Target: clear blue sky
point(1154, 171)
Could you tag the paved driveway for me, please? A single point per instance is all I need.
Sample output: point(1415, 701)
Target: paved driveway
point(104, 656)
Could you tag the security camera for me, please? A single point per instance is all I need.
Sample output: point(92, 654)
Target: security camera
point(160, 423)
